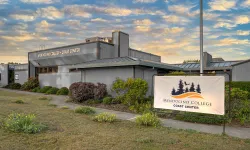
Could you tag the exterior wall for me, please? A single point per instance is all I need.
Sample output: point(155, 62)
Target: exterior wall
point(22, 76)
point(115, 36)
point(221, 73)
point(143, 55)
point(241, 72)
point(59, 80)
point(65, 55)
point(106, 75)
point(107, 51)
point(124, 44)
point(4, 69)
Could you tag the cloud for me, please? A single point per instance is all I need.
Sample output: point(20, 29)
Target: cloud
point(62, 34)
point(50, 13)
point(43, 26)
point(232, 41)
point(98, 20)
point(243, 33)
point(145, 22)
point(222, 5)
point(169, 41)
point(184, 10)
point(74, 24)
point(224, 25)
point(23, 37)
point(143, 25)
point(24, 17)
point(2, 2)
point(144, 1)
point(243, 19)
point(1, 23)
point(77, 10)
point(40, 1)
point(175, 19)
point(174, 30)
point(246, 3)
point(20, 27)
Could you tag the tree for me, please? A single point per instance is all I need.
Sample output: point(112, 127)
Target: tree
point(192, 88)
point(181, 90)
point(198, 89)
point(173, 91)
point(186, 90)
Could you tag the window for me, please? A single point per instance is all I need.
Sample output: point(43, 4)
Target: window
point(48, 69)
point(16, 76)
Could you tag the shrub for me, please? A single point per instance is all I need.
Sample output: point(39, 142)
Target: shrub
point(100, 91)
point(118, 100)
point(45, 89)
point(148, 119)
point(245, 86)
point(132, 91)
point(52, 90)
point(63, 91)
point(15, 86)
point(30, 84)
point(141, 108)
point(81, 92)
point(36, 90)
point(105, 117)
point(84, 110)
point(200, 118)
point(107, 100)
point(93, 101)
point(22, 123)
point(65, 107)
point(19, 102)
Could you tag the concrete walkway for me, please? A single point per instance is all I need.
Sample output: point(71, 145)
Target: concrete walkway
point(239, 132)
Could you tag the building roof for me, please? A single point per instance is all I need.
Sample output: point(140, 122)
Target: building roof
point(241, 62)
point(211, 66)
point(124, 61)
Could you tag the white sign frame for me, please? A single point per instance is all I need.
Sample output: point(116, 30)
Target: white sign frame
point(209, 99)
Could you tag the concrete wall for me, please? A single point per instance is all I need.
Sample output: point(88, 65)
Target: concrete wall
point(124, 44)
point(143, 55)
point(107, 51)
point(59, 79)
point(106, 75)
point(4, 75)
point(65, 55)
point(241, 72)
point(22, 76)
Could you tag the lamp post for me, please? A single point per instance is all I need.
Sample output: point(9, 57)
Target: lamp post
point(201, 38)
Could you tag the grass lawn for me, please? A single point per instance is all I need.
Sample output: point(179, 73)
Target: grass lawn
point(69, 130)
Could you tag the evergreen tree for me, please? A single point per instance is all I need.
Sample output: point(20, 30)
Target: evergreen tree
point(198, 89)
point(186, 90)
point(173, 91)
point(181, 90)
point(192, 89)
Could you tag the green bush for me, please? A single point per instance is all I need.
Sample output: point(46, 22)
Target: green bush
point(22, 123)
point(19, 102)
point(200, 118)
point(118, 100)
point(93, 101)
point(132, 90)
point(15, 86)
point(30, 84)
point(245, 86)
point(36, 90)
point(63, 91)
point(148, 119)
point(84, 110)
point(107, 100)
point(141, 108)
point(52, 90)
point(105, 117)
point(45, 89)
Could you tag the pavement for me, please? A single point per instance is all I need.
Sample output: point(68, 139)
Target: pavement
point(239, 132)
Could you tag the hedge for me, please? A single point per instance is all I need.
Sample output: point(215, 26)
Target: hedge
point(245, 86)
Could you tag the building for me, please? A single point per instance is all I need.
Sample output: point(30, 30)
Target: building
point(219, 66)
point(103, 59)
point(96, 60)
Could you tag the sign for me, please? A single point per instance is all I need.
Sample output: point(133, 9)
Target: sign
point(59, 52)
point(203, 94)
point(16, 77)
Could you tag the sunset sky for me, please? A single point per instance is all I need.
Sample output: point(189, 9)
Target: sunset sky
point(169, 28)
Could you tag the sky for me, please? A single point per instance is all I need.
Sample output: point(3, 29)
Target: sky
point(169, 28)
